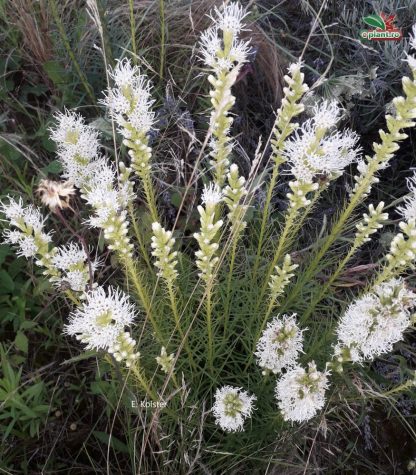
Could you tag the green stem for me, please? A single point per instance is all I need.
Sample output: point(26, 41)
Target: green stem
point(65, 41)
point(177, 318)
point(143, 295)
point(143, 382)
point(229, 281)
point(335, 232)
point(137, 371)
point(259, 332)
point(265, 217)
point(281, 246)
point(293, 224)
point(150, 197)
point(139, 237)
point(162, 38)
point(133, 31)
point(408, 384)
point(209, 326)
point(327, 285)
point(387, 273)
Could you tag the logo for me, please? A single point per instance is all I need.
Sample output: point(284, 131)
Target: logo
point(383, 28)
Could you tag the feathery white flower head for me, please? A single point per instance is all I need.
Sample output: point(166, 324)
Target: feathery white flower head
point(102, 317)
point(372, 324)
point(109, 204)
point(326, 114)
point(231, 407)
point(69, 256)
point(102, 192)
point(210, 46)
point(230, 17)
point(29, 236)
point(77, 146)
point(330, 157)
point(295, 68)
point(301, 393)
point(280, 344)
point(220, 47)
point(26, 245)
point(22, 217)
point(130, 102)
point(72, 262)
point(408, 211)
point(211, 195)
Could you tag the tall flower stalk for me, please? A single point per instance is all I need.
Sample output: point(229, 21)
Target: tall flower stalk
point(372, 222)
point(107, 192)
point(384, 150)
point(166, 262)
point(317, 155)
point(207, 258)
point(235, 194)
point(129, 104)
point(402, 252)
point(224, 54)
point(283, 128)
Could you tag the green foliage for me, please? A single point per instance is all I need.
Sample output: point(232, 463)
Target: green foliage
point(24, 403)
point(374, 20)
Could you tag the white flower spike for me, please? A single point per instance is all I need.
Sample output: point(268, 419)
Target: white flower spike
point(77, 147)
point(72, 263)
point(232, 406)
point(100, 320)
point(374, 322)
point(280, 345)
point(301, 393)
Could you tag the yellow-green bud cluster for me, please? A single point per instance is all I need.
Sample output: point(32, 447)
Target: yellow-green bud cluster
point(281, 278)
point(166, 259)
point(372, 222)
point(115, 231)
point(289, 109)
point(405, 114)
point(222, 101)
point(165, 360)
point(124, 349)
point(234, 193)
point(403, 246)
point(124, 178)
point(140, 153)
point(208, 247)
point(298, 197)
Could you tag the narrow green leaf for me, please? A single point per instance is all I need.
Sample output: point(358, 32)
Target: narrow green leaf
point(115, 443)
point(21, 342)
point(375, 20)
point(6, 282)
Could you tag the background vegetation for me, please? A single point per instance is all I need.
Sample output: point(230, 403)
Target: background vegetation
point(57, 410)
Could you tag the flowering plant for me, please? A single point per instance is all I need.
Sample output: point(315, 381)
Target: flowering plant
point(175, 327)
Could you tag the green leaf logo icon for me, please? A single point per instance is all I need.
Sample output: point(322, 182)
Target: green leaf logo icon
point(375, 21)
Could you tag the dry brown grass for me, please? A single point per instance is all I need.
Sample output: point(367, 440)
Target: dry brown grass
point(32, 19)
